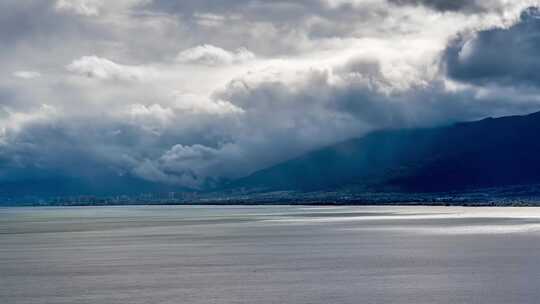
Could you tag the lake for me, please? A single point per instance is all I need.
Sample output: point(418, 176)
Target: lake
point(269, 254)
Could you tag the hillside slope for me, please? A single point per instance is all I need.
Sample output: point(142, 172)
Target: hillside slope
point(487, 153)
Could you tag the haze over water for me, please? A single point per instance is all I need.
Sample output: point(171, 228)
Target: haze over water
point(269, 255)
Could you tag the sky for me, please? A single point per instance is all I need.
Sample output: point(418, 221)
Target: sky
point(190, 93)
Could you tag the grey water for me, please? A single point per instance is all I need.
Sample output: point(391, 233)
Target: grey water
point(269, 255)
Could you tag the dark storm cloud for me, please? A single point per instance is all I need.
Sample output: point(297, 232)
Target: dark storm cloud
point(275, 10)
point(442, 5)
point(500, 56)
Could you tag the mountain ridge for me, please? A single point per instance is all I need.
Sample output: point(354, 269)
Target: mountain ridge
point(487, 153)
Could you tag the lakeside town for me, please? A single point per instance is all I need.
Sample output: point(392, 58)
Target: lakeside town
point(503, 196)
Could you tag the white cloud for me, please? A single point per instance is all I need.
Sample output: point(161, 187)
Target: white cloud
point(190, 166)
point(95, 7)
point(149, 171)
point(213, 56)
point(153, 118)
point(104, 69)
point(196, 104)
point(15, 121)
point(81, 7)
point(27, 74)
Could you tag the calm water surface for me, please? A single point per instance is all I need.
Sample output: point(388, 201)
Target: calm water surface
point(269, 255)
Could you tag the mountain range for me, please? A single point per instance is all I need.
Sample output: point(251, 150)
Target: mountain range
point(494, 152)
point(490, 153)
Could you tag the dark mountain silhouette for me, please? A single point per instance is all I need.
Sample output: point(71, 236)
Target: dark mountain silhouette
point(487, 153)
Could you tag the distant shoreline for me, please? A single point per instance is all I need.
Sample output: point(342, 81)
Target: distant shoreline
point(308, 204)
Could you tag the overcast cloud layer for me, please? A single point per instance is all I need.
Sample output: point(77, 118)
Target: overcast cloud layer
point(190, 92)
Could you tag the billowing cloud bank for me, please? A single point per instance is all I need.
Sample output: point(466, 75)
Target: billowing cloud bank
point(191, 92)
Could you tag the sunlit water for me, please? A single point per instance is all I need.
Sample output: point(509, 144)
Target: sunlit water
point(269, 255)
